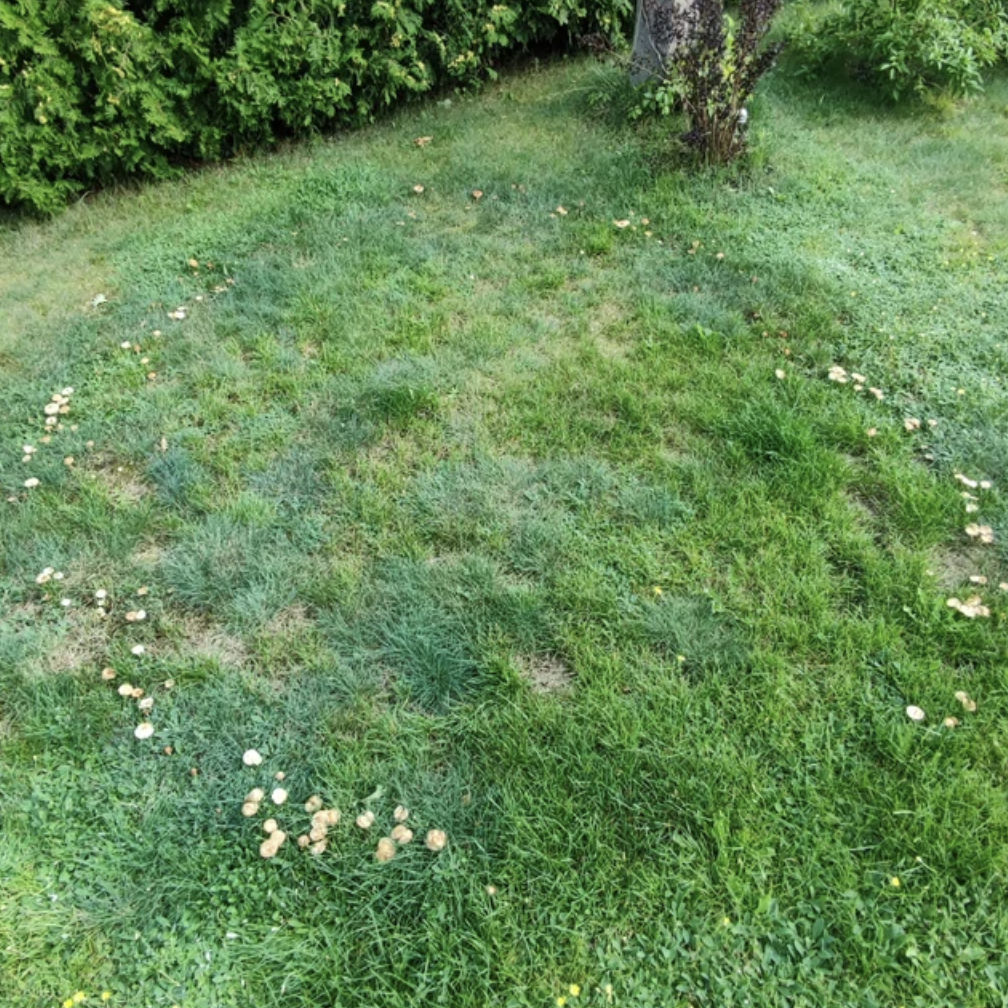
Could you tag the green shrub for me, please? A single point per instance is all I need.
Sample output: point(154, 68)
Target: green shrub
point(913, 46)
point(93, 90)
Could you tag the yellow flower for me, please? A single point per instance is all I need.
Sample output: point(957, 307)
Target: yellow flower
point(68, 1003)
point(106, 995)
point(657, 590)
point(79, 997)
point(561, 1001)
point(574, 989)
point(894, 882)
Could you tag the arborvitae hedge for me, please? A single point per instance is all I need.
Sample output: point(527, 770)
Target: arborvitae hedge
point(93, 90)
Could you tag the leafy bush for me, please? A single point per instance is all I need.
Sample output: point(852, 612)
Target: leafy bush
point(913, 46)
point(713, 65)
point(97, 89)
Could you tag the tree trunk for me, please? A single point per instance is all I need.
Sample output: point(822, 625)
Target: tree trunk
point(662, 26)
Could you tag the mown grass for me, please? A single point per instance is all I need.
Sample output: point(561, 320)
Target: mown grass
point(503, 514)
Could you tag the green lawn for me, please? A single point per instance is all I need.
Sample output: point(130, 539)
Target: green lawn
point(503, 514)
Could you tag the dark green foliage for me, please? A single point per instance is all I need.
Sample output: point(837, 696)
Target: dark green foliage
point(95, 90)
point(913, 46)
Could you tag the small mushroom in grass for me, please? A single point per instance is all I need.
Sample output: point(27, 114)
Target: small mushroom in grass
point(915, 713)
point(332, 816)
point(279, 775)
point(401, 814)
point(385, 851)
point(303, 841)
point(146, 704)
point(951, 722)
point(401, 834)
point(313, 804)
point(251, 758)
point(318, 833)
point(144, 730)
point(270, 826)
point(318, 847)
point(269, 847)
point(365, 820)
point(136, 693)
point(436, 840)
point(255, 795)
point(125, 690)
point(108, 674)
point(969, 704)
point(279, 796)
point(137, 649)
point(250, 808)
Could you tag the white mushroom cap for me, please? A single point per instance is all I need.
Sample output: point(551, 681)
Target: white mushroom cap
point(365, 820)
point(279, 796)
point(401, 814)
point(144, 730)
point(915, 713)
point(251, 758)
point(255, 795)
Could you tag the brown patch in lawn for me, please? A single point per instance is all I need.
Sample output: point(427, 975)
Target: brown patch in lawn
point(546, 673)
point(209, 641)
point(122, 485)
point(953, 567)
point(84, 644)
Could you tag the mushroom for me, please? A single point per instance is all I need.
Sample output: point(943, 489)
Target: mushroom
point(303, 841)
point(125, 690)
point(385, 851)
point(313, 804)
point(401, 834)
point(270, 826)
point(250, 808)
point(144, 730)
point(318, 847)
point(279, 796)
point(401, 814)
point(436, 840)
point(255, 795)
point(365, 820)
point(108, 674)
point(913, 712)
point(251, 758)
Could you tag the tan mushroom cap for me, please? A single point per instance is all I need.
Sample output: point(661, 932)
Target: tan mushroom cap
point(365, 820)
point(318, 847)
point(303, 841)
point(249, 809)
point(385, 850)
point(401, 834)
point(270, 826)
point(255, 795)
point(436, 840)
point(313, 804)
point(401, 814)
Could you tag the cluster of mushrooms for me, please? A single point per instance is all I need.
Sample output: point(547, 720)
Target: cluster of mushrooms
point(323, 819)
